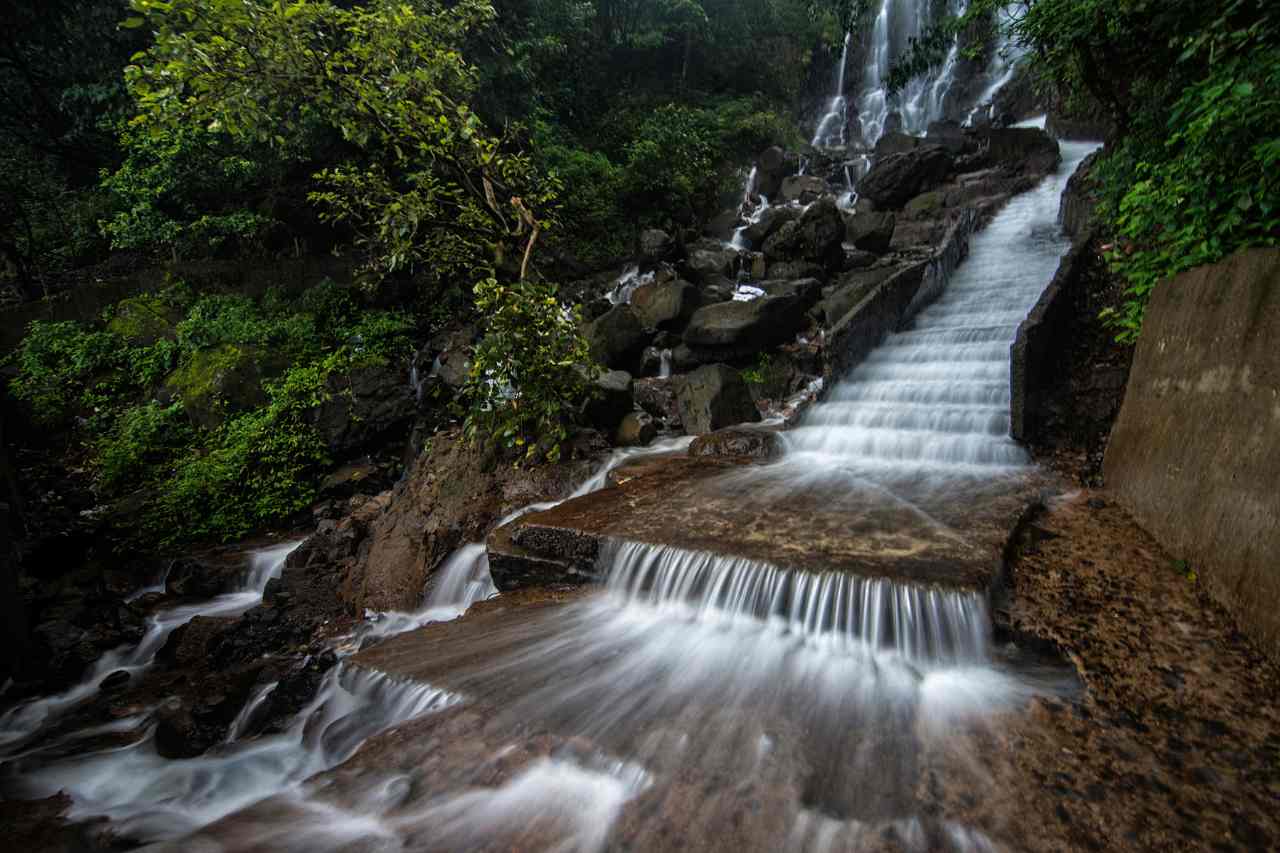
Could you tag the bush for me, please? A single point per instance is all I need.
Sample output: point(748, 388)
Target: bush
point(65, 369)
point(529, 374)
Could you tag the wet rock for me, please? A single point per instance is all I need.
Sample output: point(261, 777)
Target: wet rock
point(869, 232)
point(722, 225)
point(857, 259)
point(657, 245)
point(769, 221)
point(849, 290)
point(613, 400)
point(637, 429)
point(114, 681)
point(924, 206)
point(897, 178)
point(712, 397)
point(1024, 149)
point(803, 188)
point(658, 398)
point(738, 441)
point(807, 290)
point(666, 305)
point(771, 168)
point(617, 338)
point(950, 135)
point(896, 143)
point(194, 577)
point(755, 324)
point(817, 236)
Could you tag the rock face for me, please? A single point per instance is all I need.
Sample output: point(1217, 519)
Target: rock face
point(666, 305)
point(452, 495)
point(752, 325)
point(771, 219)
point(362, 406)
point(1195, 453)
point(850, 289)
point(713, 397)
point(803, 188)
point(897, 178)
point(1027, 149)
point(771, 167)
point(617, 338)
point(1078, 199)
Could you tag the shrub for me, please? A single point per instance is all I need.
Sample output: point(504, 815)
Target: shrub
point(529, 374)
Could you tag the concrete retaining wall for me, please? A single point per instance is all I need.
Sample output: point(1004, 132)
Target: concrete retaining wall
point(1195, 454)
point(896, 300)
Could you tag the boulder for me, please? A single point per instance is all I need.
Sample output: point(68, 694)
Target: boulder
point(612, 401)
point(924, 206)
point(617, 337)
point(897, 178)
point(656, 246)
point(796, 269)
point(950, 135)
point(755, 443)
point(658, 398)
point(896, 143)
point(664, 306)
point(706, 264)
point(817, 236)
point(722, 225)
point(216, 382)
point(869, 232)
point(752, 325)
point(803, 188)
point(712, 397)
point(771, 167)
point(807, 290)
point(637, 429)
point(769, 221)
point(857, 259)
point(1023, 149)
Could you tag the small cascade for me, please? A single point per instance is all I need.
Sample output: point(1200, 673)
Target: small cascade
point(244, 719)
point(834, 609)
point(26, 719)
point(751, 210)
point(832, 127)
point(626, 284)
point(664, 364)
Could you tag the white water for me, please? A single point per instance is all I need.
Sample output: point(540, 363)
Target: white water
point(25, 720)
point(832, 127)
point(626, 284)
point(936, 396)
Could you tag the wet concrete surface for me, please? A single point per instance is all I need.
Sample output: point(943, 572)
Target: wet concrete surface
point(947, 533)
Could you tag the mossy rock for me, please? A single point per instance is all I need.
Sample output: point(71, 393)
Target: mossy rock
point(925, 205)
point(216, 382)
point(143, 319)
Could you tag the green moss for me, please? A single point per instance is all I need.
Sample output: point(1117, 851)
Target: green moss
point(213, 382)
point(142, 319)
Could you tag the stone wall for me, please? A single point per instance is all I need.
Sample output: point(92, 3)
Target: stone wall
point(1195, 454)
point(893, 302)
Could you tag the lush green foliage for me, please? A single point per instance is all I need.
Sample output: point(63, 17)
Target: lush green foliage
point(1190, 86)
point(128, 388)
point(530, 371)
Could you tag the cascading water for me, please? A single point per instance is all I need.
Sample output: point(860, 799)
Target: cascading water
point(626, 284)
point(833, 126)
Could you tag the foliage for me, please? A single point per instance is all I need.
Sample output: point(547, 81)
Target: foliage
point(530, 370)
point(1194, 171)
point(111, 384)
point(424, 184)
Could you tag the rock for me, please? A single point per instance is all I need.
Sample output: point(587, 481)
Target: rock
point(454, 493)
point(723, 224)
point(194, 577)
point(613, 400)
point(796, 269)
point(897, 178)
point(756, 265)
point(664, 306)
point(738, 441)
point(803, 188)
point(807, 290)
point(924, 206)
point(617, 338)
point(636, 430)
point(849, 290)
point(656, 246)
point(950, 135)
point(769, 221)
point(857, 259)
point(869, 232)
point(707, 264)
point(817, 236)
point(1024, 149)
point(658, 398)
point(349, 479)
point(750, 325)
point(114, 681)
point(450, 356)
point(363, 405)
point(714, 396)
point(896, 143)
point(771, 167)
point(216, 382)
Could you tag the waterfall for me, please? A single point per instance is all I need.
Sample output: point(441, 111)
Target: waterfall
point(832, 126)
point(626, 284)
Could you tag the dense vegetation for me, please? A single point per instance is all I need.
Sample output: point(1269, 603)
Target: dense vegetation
point(1190, 86)
point(465, 155)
